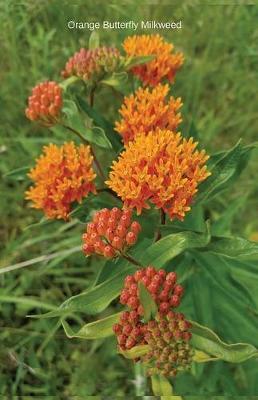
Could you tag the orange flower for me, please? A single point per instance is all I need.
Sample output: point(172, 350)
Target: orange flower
point(45, 103)
point(92, 64)
point(147, 110)
point(163, 66)
point(62, 175)
point(161, 168)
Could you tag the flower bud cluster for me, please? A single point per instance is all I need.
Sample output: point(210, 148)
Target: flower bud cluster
point(110, 232)
point(130, 330)
point(161, 285)
point(91, 64)
point(168, 337)
point(45, 103)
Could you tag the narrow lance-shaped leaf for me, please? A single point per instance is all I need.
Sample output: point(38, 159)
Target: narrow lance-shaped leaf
point(172, 245)
point(234, 247)
point(138, 60)
point(135, 352)
point(116, 80)
point(94, 330)
point(201, 357)
point(149, 306)
point(100, 121)
point(225, 169)
point(74, 122)
point(161, 386)
point(207, 341)
point(94, 300)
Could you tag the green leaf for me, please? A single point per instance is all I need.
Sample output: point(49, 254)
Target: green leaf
point(94, 330)
point(138, 60)
point(101, 122)
point(207, 341)
point(201, 357)
point(161, 386)
point(74, 120)
point(172, 245)
point(135, 352)
point(224, 171)
point(94, 300)
point(229, 297)
point(97, 136)
point(149, 305)
point(234, 247)
point(94, 40)
point(116, 80)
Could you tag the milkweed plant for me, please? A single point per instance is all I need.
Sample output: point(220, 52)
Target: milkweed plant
point(159, 249)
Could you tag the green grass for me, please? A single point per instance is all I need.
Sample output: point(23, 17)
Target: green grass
point(218, 88)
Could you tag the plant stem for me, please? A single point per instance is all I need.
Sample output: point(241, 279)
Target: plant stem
point(98, 166)
point(76, 133)
point(131, 259)
point(162, 222)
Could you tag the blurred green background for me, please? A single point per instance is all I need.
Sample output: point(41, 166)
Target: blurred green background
point(218, 86)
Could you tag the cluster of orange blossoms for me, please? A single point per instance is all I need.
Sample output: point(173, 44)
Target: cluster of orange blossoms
point(92, 64)
point(147, 110)
point(110, 233)
point(45, 103)
point(167, 335)
point(62, 175)
point(165, 63)
point(160, 168)
point(161, 286)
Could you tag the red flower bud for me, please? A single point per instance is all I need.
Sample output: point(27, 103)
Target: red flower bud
point(109, 252)
point(131, 238)
point(117, 243)
point(178, 290)
point(135, 227)
point(115, 213)
point(109, 228)
point(175, 301)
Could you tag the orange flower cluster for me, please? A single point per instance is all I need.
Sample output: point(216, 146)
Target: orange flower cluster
point(161, 168)
point(92, 64)
point(62, 175)
point(163, 66)
point(110, 233)
point(147, 110)
point(45, 103)
point(162, 287)
point(167, 335)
